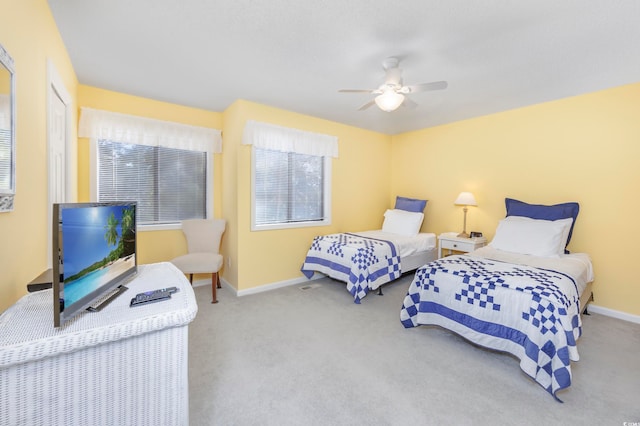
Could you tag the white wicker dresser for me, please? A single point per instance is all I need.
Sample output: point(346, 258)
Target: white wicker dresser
point(119, 366)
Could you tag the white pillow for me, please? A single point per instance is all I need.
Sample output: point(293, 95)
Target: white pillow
point(545, 238)
point(566, 222)
point(402, 222)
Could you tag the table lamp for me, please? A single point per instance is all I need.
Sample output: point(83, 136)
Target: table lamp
point(465, 199)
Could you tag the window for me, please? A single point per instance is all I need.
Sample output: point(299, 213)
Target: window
point(166, 167)
point(291, 176)
point(169, 184)
point(290, 189)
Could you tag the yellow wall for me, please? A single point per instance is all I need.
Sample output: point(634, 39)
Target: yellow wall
point(583, 149)
point(153, 246)
point(578, 149)
point(30, 36)
point(360, 194)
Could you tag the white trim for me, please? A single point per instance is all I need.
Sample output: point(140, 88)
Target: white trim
point(208, 187)
point(159, 227)
point(613, 313)
point(207, 283)
point(56, 87)
point(276, 285)
point(259, 289)
point(202, 283)
point(326, 192)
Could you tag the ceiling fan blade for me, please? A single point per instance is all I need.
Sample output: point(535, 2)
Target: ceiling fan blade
point(408, 103)
point(436, 85)
point(356, 90)
point(367, 105)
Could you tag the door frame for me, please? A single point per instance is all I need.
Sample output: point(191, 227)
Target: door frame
point(57, 88)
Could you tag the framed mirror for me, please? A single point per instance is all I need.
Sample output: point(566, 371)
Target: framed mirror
point(7, 132)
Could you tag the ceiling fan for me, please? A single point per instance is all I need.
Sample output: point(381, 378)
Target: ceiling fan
point(392, 93)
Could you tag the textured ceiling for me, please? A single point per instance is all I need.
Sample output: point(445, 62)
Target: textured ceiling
point(296, 55)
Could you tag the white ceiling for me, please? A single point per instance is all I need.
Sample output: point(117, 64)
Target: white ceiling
point(296, 54)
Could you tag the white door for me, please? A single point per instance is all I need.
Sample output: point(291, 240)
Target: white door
point(57, 148)
point(59, 104)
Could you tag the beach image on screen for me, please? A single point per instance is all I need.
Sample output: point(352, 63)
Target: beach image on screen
point(98, 246)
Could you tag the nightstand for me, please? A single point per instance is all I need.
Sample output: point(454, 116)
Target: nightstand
point(450, 241)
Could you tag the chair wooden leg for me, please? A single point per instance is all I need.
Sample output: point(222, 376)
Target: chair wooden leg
point(214, 285)
point(191, 278)
point(218, 279)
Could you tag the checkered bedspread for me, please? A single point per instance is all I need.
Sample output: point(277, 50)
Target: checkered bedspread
point(529, 312)
point(363, 263)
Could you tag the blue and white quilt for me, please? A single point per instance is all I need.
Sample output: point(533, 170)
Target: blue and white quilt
point(363, 263)
point(532, 313)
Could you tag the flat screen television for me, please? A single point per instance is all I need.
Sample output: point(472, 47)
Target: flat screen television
point(94, 255)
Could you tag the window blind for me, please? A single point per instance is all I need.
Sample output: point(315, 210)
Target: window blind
point(168, 184)
point(289, 187)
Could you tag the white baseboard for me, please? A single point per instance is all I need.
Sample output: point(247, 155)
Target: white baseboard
point(613, 313)
point(276, 285)
point(207, 282)
point(201, 283)
point(260, 289)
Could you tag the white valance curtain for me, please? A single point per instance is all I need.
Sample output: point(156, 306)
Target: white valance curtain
point(277, 138)
point(98, 124)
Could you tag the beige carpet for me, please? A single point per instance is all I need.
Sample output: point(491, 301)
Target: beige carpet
point(313, 357)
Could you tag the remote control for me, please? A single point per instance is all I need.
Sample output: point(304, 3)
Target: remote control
point(153, 296)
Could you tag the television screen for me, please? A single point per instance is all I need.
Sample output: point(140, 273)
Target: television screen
point(94, 253)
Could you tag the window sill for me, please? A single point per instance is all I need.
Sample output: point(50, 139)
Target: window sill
point(290, 225)
point(160, 227)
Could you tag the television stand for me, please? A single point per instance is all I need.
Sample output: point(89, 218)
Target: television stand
point(119, 366)
point(44, 281)
point(109, 297)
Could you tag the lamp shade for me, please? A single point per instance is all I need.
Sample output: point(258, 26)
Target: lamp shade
point(389, 100)
point(465, 199)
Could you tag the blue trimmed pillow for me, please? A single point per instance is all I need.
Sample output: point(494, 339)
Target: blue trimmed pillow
point(410, 204)
point(539, 211)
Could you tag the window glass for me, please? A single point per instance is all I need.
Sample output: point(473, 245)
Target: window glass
point(169, 184)
point(289, 189)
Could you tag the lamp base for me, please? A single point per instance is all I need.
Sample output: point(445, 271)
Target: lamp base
point(463, 235)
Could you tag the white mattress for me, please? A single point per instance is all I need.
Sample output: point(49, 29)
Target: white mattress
point(406, 245)
point(576, 265)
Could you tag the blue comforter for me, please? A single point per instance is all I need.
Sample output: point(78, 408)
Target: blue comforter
point(363, 263)
point(529, 312)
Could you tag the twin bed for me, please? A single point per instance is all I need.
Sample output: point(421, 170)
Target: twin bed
point(367, 260)
point(527, 306)
point(522, 294)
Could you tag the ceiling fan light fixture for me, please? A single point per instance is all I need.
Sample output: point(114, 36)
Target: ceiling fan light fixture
point(392, 93)
point(389, 100)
